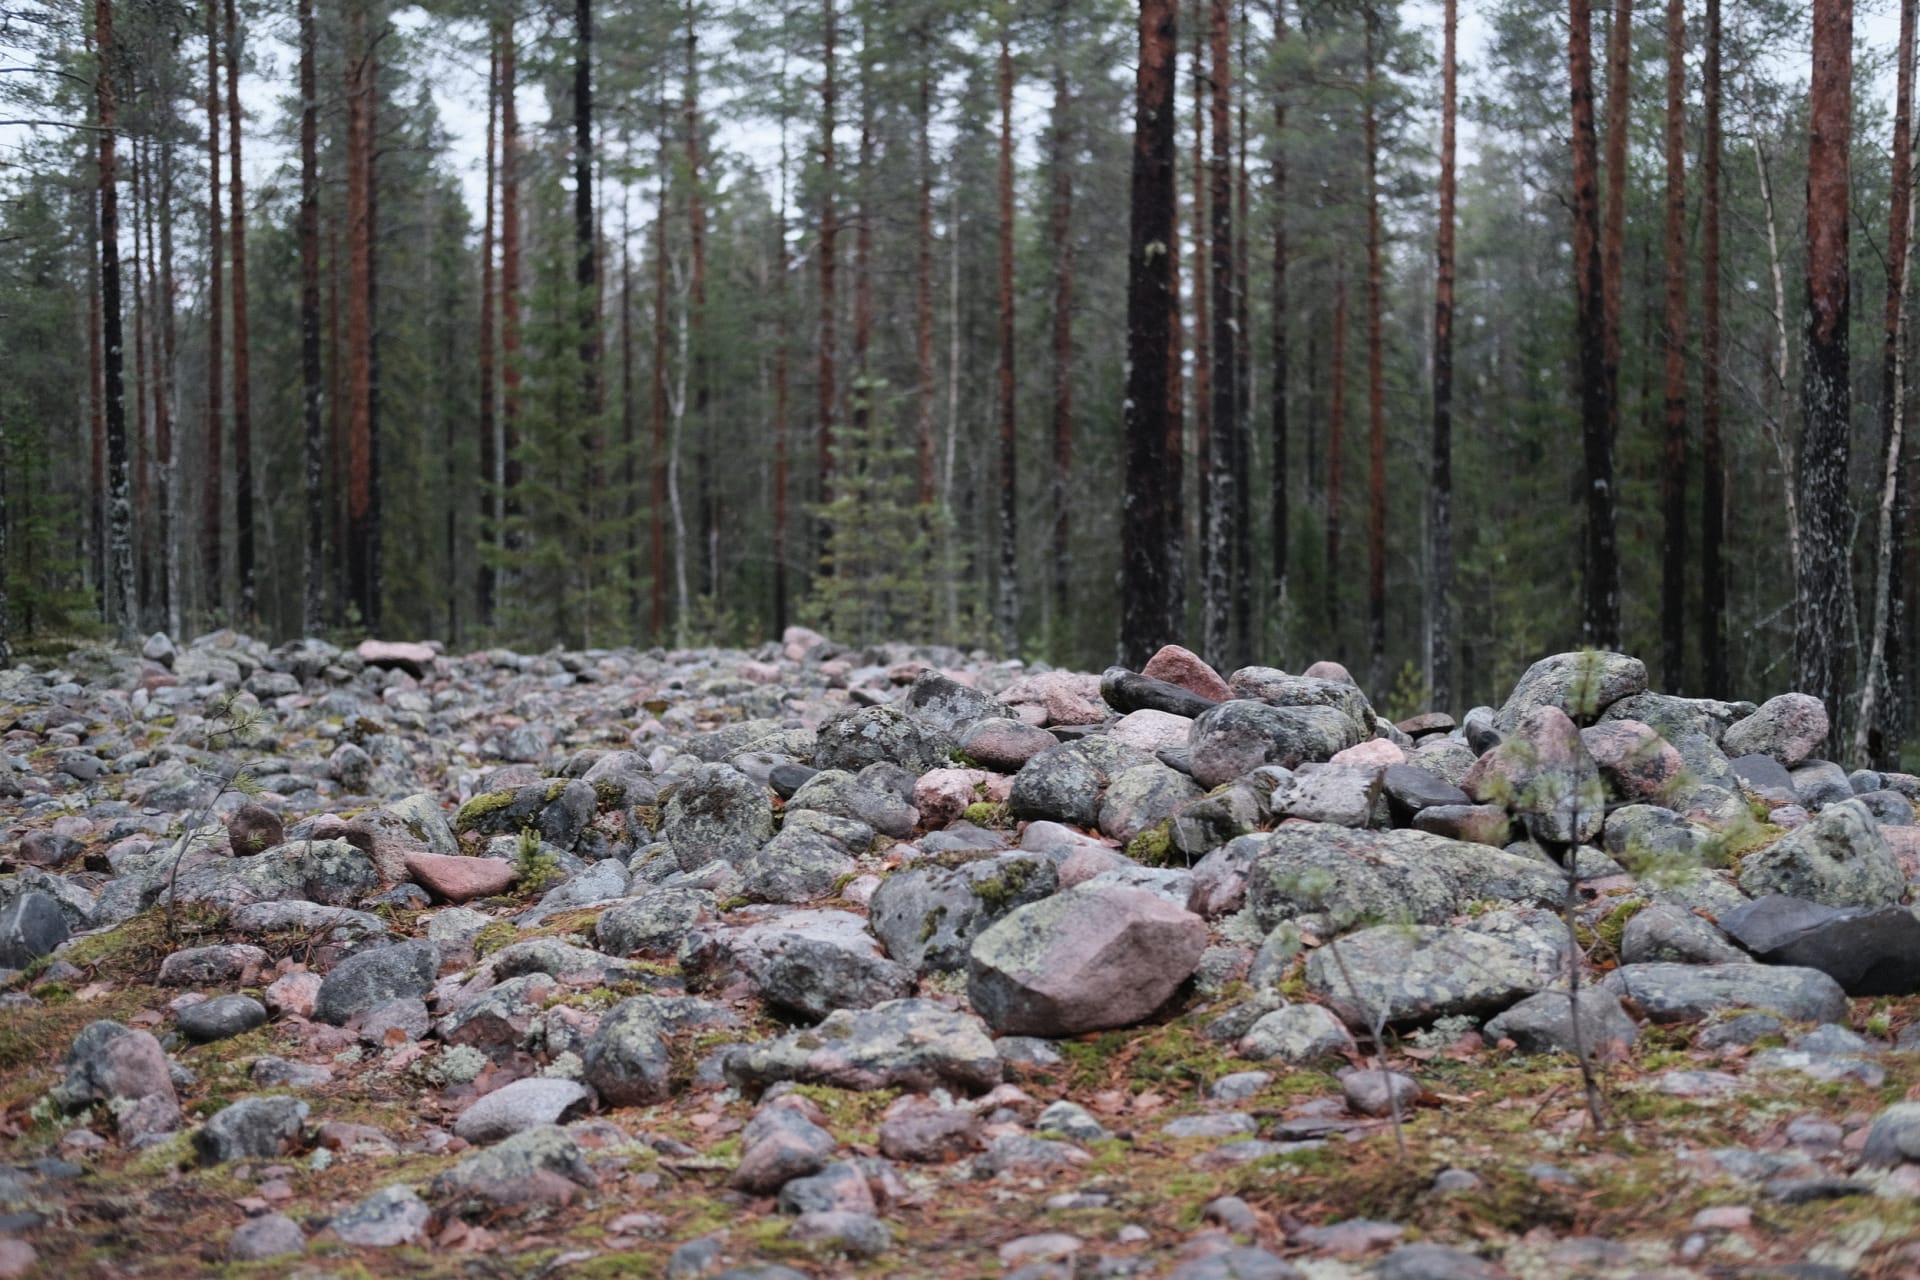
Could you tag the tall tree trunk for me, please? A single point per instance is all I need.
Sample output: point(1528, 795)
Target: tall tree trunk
point(704, 518)
point(96, 408)
point(376, 583)
point(1876, 733)
point(782, 265)
point(140, 448)
point(510, 463)
point(1713, 500)
point(1336, 440)
point(629, 416)
point(242, 395)
point(659, 400)
point(1825, 573)
point(163, 427)
point(1613, 230)
point(1173, 490)
point(1600, 613)
point(213, 468)
point(1242, 648)
point(586, 274)
point(1144, 617)
point(1278, 499)
point(489, 443)
point(314, 453)
point(860, 385)
point(1376, 393)
point(120, 602)
point(1440, 491)
point(1673, 471)
point(829, 229)
point(359, 315)
point(922, 295)
point(336, 424)
point(1060, 233)
point(1007, 600)
point(6, 632)
point(1202, 316)
point(1217, 619)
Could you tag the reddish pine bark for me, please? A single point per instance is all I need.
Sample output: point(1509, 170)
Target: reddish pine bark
point(309, 236)
point(1713, 581)
point(138, 445)
point(1613, 229)
point(1440, 513)
point(167, 605)
point(1144, 617)
point(1600, 613)
point(1242, 388)
point(242, 394)
point(1673, 471)
point(1824, 574)
point(1174, 490)
point(783, 264)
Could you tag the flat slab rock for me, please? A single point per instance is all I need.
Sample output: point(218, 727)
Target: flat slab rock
point(1694, 992)
point(1416, 973)
point(908, 1044)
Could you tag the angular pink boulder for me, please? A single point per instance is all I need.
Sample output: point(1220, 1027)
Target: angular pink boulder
point(1086, 959)
point(1189, 670)
point(457, 879)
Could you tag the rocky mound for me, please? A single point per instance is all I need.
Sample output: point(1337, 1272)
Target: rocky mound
point(810, 961)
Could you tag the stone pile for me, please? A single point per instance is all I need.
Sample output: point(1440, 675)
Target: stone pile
point(550, 891)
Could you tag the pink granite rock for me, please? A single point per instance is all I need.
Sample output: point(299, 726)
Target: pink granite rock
point(1635, 760)
point(1003, 744)
point(1090, 860)
point(414, 659)
point(1374, 751)
point(458, 879)
point(1189, 670)
point(1086, 959)
point(1333, 671)
point(1152, 730)
point(293, 993)
point(1067, 697)
point(942, 795)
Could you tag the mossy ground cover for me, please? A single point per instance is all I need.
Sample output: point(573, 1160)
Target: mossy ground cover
point(1518, 1124)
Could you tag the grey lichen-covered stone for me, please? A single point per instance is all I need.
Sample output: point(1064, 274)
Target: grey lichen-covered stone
point(389, 1217)
point(1663, 933)
point(1582, 685)
point(1064, 783)
point(1237, 737)
point(907, 1044)
point(1894, 1136)
point(717, 812)
point(880, 796)
point(221, 1018)
point(1349, 876)
point(1141, 797)
point(1295, 1034)
point(251, 1129)
point(813, 854)
point(1645, 837)
point(858, 737)
point(331, 872)
point(1693, 992)
point(360, 982)
point(542, 1165)
point(1088, 959)
point(1544, 1023)
point(657, 920)
point(1343, 795)
point(1840, 859)
point(949, 706)
point(272, 1235)
point(627, 1059)
point(927, 916)
point(519, 1105)
point(1277, 688)
point(1416, 973)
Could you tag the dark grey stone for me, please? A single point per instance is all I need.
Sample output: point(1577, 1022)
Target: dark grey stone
point(221, 1018)
point(251, 1129)
point(372, 978)
point(1868, 952)
point(31, 927)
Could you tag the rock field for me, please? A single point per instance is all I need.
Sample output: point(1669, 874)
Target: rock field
point(815, 962)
